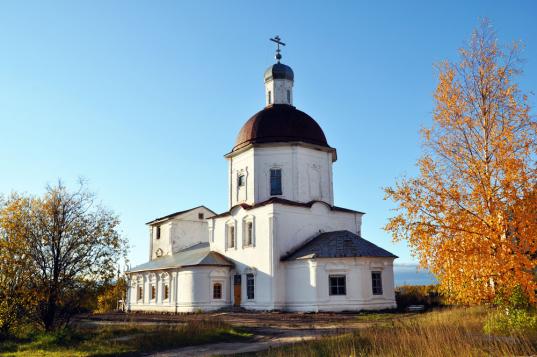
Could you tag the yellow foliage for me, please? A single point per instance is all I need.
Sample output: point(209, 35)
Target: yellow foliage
point(471, 214)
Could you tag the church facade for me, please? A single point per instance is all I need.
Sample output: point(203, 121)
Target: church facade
point(282, 245)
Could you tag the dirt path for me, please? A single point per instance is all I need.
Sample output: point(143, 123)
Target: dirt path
point(270, 329)
point(264, 339)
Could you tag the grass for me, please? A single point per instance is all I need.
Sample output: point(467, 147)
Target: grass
point(449, 332)
point(120, 340)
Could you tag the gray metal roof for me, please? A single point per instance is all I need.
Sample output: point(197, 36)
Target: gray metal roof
point(198, 254)
point(337, 244)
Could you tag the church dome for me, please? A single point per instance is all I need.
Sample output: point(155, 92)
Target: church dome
point(280, 123)
point(279, 71)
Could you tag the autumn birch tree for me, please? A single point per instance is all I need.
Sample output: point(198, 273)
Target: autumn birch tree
point(470, 215)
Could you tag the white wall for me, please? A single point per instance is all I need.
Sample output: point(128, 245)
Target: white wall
point(307, 284)
point(255, 259)
point(179, 232)
point(306, 174)
point(278, 229)
point(190, 289)
point(241, 164)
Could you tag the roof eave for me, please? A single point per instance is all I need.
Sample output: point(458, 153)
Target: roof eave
point(250, 145)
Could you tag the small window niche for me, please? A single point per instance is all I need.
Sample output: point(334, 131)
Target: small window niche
point(269, 97)
point(157, 233)
point(166, 292)
point(140, 293)
point(288, 96)
point(241, 180)
point(201, 215)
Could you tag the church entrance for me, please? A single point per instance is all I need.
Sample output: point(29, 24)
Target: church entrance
point(237, 290)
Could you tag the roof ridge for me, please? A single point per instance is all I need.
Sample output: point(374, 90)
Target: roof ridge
point(179, 213)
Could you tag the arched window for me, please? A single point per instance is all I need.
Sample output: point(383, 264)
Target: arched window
point(166, 292)
point(248, 232)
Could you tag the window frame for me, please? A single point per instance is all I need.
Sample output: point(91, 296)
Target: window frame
point(376, 282)
point(231, 234)
point(276, 191)
point(220, 290)
point(250, 286)
point(340, 289)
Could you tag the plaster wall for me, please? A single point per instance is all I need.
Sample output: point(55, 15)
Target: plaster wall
point(295, 225)
point(190, 289)
point(307, 284)
point(306, 174)
point(179, 232)
point(248, 259)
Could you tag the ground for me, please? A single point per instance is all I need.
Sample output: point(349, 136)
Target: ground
point(447, 332)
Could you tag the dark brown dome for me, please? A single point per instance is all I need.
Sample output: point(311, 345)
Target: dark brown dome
point(280, 123)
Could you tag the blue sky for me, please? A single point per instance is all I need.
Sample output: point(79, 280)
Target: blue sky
point(143, 98)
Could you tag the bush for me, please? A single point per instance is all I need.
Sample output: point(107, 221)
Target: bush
point(427, 295)
point(514, 314)
point(511, 321)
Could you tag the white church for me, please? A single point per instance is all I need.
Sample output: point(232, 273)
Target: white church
point(283, 244)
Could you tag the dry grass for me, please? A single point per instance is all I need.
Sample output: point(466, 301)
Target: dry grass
point(120, 340)
point(453, 332)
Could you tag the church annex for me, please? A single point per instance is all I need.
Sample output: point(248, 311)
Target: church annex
point(283, 244)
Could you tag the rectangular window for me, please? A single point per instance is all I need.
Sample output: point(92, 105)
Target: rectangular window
point(200, 216)
point(337, 285)
point(250, 286)
point(376, 282)
point(241, 181)
point(140, 293)
point(275, 182)
point(288, 96)
point(166, 292)
point(231, 236)
point(153, 292)
point(158, 232)
point(217, 291)
point(249, 233)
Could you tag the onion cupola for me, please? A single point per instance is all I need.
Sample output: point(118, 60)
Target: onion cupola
point(280, 121)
